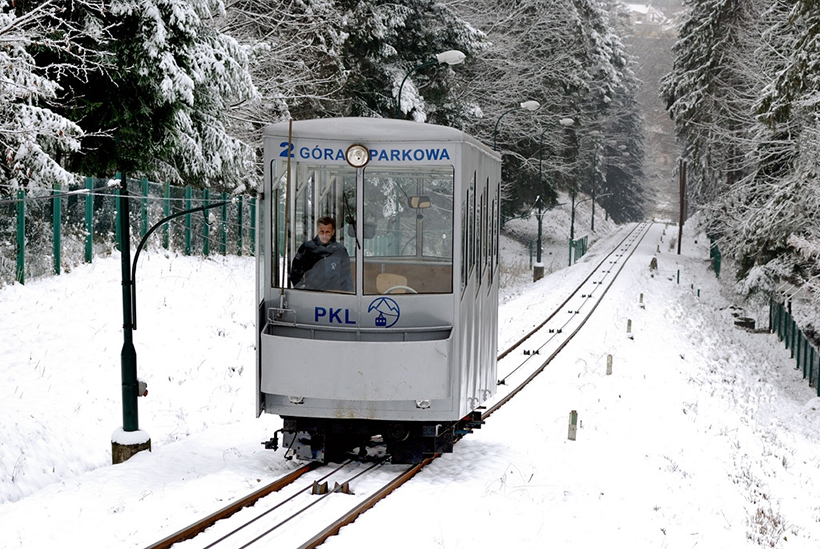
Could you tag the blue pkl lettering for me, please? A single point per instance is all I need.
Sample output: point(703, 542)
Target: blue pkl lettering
point(347, 317)
point(319, 313)
point(334, 313)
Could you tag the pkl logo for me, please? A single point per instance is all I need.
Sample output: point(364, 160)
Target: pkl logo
point(387, 312)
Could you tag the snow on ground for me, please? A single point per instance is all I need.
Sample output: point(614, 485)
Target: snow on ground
point(703, 436)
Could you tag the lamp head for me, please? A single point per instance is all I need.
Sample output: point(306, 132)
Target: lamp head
point(451, 57)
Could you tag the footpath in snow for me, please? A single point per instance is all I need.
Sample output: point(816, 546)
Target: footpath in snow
point(703, 436)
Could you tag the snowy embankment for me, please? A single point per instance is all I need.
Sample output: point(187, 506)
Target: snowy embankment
point(704, 435)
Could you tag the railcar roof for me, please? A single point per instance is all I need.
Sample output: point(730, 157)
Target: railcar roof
point(370, 130)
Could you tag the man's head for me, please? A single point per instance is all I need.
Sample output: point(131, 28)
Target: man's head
point(325, 229)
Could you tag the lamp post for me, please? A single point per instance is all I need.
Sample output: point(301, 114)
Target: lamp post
point(595, 134)
point(526, 105)
point(450, 57)
point(129, 440)
point(538, 268)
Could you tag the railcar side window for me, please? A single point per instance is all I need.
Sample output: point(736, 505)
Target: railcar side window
point(465, 271)
point(408, 226)
point(471, 228)
point(497, 222)
point(321, 251)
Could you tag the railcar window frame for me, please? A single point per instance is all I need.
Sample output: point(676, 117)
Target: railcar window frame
point(406, 241)
point(313, 196)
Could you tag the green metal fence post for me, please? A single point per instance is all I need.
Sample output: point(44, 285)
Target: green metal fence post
point(239, 220)
point(57, 222)
point(188, 221)
point(166, 210)
point(20, 275)
point(89, 220)
point(206, 237)
point(771, 313)
point(253, 226)
point(798, 343)
point(785, 321)
point(223, 245)
point(805, 357)
point(781, 321)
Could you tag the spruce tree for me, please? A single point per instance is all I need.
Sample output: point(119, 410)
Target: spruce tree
point(160, 110)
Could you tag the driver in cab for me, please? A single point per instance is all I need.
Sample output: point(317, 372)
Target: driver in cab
point(322, 263)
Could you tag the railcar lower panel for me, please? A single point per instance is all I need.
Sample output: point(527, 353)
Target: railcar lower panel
point(353, 370)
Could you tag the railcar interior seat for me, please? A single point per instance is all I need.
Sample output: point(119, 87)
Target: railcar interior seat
point(386, 281)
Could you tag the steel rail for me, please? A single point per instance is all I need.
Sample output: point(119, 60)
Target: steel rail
point(561, 306)
point(367, 504)
point(549, 359)
point(308, 506)
point(201, 525)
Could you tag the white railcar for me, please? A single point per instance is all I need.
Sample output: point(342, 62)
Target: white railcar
point(390, 327)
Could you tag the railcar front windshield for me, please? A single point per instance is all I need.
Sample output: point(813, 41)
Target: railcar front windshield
point(409, 215)
point(403, 238)
point(320, 247)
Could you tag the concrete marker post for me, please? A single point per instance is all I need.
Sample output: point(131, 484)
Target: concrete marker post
point(573, 425)
point(609, 365)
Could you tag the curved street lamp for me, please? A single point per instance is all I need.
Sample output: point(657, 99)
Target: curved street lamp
point(595, 134)
point(128, 355)
point(450, 57)
point(526, 105)
point(538, 268)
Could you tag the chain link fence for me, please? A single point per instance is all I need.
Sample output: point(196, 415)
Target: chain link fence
point(47, 232)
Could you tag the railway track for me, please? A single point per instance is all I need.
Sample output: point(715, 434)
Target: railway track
point(286, 510)
point(282, 508)
point(541, 345)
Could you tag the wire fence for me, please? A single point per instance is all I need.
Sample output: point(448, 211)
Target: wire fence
point(803, 351)
point(47, 232)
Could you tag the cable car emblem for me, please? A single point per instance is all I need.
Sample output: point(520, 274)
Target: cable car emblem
point(388, 311)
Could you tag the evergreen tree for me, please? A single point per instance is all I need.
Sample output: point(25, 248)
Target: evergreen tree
point(385, 40)
point(161, 109)
point(709, 93)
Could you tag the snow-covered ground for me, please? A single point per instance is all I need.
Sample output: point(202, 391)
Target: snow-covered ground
point(703, 436)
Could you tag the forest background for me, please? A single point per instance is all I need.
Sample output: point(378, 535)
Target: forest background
point(179, 90)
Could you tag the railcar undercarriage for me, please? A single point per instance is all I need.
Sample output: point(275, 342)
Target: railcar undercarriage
point(328, 440)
